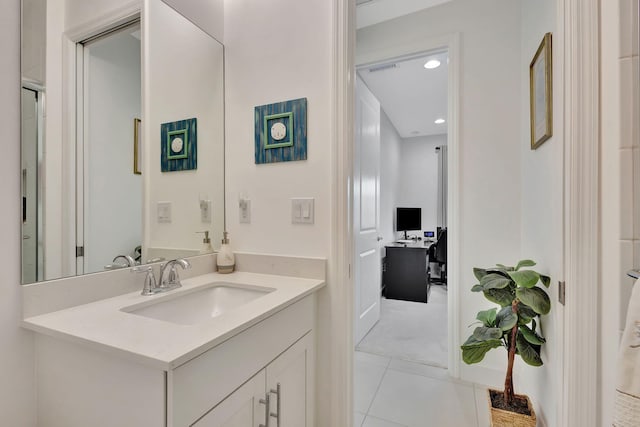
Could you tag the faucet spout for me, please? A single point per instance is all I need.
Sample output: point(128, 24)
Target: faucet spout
point(169, 278)
point(130, 261)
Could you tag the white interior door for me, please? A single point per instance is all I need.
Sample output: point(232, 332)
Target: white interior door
point(366, 207)
point(109, 200)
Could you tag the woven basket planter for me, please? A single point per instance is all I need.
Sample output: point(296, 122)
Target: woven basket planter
point(502, 418)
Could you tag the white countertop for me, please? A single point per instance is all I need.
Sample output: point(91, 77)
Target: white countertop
point(164, 345)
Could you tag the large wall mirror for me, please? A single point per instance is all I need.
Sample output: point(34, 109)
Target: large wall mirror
point(122, 136)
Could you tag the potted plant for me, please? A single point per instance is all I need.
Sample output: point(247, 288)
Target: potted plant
point(514, 327)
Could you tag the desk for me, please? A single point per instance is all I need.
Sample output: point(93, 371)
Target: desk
point(405, 271)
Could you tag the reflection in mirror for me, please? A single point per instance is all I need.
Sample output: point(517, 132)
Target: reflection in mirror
point(100, 185)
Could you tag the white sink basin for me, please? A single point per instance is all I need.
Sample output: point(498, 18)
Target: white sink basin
point(199, 305)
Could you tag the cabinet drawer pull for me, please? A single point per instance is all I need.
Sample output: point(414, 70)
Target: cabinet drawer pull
point(276, 415)
point(265, 402)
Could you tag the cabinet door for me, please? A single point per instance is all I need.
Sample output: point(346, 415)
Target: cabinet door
point(241, 409)
point(292, 371)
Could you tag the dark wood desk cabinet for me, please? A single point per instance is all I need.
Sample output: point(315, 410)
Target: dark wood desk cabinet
point(405, 272)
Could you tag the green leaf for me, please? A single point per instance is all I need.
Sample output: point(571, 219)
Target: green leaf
point(494, 281)
point(530, 353)
point(546, 280)
point(482, 333)
point(531, 336)
point(487, 317)
point(477, 288)
point(503, 297)
point(525, 263)
point(506, 319)
point(479, 273)
point(504, 267)
point(473, 351)
point(525, 278)
point(535, 298)
point(525, 313)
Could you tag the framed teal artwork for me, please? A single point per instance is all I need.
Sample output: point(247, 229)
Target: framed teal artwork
point(179, 145)
point(281, 131)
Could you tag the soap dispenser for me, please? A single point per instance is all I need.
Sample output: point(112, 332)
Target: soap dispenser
point(225, 260)
point(206, 243)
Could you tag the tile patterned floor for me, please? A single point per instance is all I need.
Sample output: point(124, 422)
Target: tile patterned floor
point(397, 393)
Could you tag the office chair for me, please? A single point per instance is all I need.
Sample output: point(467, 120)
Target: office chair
point(438, 255)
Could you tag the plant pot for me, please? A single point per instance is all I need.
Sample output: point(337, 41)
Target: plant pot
point(503, 418)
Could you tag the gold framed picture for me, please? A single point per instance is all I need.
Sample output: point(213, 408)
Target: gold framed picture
point(540, 95)
point(137, 149)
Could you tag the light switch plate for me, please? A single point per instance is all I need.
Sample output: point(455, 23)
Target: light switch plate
point(302, 210)
point(164, 212)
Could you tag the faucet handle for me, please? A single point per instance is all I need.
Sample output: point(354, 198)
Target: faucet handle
point(150, 284)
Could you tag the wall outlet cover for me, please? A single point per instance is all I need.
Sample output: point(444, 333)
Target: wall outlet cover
point(244, 206)
point(164, 212)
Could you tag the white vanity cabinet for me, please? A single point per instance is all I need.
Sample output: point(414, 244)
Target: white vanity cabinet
point(84, 384)
point(279, 392)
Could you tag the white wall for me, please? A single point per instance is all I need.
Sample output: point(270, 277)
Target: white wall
point(271, 59)
point(208, 15)
point(33, 39)
point(490, 119)
point(542, 203)
point(620, 211)
point(114, 98)
point(418, 178)
point(256, 74)
point(390, 146)
point(17, 390)
point(183, 68)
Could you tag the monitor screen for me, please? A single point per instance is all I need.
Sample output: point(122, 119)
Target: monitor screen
point(408, 219)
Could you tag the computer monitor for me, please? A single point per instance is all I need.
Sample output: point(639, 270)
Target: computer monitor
point(408, 219)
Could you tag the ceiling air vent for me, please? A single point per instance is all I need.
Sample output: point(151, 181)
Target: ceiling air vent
point(382, 67)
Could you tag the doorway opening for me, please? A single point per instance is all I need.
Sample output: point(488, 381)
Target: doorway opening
point(109, 94)
point(400, 208)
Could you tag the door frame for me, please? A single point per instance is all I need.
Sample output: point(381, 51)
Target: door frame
point(578, 401)
point(72, 127)
point(420, 47)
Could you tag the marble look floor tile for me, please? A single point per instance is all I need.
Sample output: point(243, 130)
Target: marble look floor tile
point(414, 400)
point(419, 369)
point(361, 356)
point(358, 419)
point(378, 422)
point(482, 406)
point(366, 380)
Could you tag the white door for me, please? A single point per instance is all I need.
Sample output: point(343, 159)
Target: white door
point(110, 96)
point(241, 409)
point(289, 382)
point(366, 206)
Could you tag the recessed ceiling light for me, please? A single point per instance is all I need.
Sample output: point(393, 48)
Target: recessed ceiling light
point(439, 121)
point(431, 64)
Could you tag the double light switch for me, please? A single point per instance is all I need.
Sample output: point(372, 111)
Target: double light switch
point(302, 210)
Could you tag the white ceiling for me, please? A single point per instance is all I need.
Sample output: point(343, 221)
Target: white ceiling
point(372, 12)
point(412, 96)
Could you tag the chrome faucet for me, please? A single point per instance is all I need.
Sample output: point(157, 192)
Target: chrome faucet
point(130, 261)
point(169, 278)
point(150, 285)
